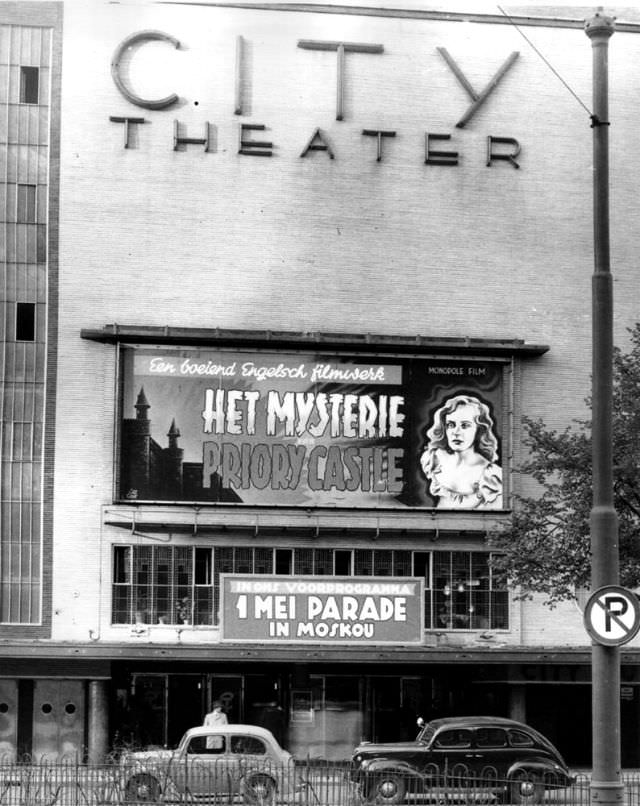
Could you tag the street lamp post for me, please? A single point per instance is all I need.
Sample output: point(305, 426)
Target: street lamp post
point(606, 783)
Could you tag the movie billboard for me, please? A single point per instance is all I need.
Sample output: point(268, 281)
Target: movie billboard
point(307, 429)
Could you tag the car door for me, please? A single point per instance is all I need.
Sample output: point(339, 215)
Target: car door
point(492, 754)
point(205, 766)
point(247, 754)
point(452, 753)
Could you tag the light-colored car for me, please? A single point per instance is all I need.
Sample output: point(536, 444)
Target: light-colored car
point(222, 762)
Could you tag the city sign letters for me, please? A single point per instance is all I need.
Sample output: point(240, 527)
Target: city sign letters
point(498, 148)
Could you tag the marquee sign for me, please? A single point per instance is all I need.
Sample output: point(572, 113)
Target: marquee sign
point(310, 429)
point(382, 610)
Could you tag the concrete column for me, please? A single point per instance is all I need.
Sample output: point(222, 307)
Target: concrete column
point(98, 721)
point(517, 702)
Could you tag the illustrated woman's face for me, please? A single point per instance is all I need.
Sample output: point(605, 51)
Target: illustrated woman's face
point(461, 428)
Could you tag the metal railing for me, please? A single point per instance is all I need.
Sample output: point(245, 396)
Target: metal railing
point(312, 783)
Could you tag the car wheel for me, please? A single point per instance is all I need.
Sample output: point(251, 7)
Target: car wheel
point(386, 789)
point(142, 787)
point(526, 789)
point(259, 790)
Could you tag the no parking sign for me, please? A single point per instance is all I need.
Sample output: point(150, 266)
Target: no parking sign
point(612, 615)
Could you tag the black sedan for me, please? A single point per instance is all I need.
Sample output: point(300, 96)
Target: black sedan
point(494, 757)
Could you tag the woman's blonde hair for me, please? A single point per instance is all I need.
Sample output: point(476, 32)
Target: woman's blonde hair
point(485, 443)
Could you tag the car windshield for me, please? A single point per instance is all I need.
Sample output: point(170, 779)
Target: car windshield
point(426, 734)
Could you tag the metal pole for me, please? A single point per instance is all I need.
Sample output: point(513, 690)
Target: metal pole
point(606, 782)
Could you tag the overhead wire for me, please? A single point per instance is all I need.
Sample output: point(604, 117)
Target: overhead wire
point(549, 65)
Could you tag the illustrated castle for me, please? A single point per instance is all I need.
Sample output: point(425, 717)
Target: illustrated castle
point(153, 473)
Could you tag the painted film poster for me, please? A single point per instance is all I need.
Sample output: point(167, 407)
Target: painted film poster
point(311, 430)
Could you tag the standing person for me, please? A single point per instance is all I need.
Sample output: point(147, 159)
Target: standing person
point(214, 719)
point(460, 460)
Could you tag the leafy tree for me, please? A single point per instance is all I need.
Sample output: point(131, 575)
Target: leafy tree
point(545, 548)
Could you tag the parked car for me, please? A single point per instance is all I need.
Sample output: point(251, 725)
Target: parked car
point(505, 758)
point(224, 762)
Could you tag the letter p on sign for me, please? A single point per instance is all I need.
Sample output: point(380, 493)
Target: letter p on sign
point(612, 615)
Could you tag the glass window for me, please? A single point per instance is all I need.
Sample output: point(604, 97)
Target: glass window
point(284, 558)
point(29, 85)
point(181, 584)
point(203, 601)
point(491, 737)
point(209, 745)
point(382, 563)
point(25, 321)
point(343, 563)
point(518, 738)
point(41, 243)
point(453, 739)
point(26, 204)
point(363, 562)
point(22, 440)
point(303, 562)
point(248, 745)
point(462, 595)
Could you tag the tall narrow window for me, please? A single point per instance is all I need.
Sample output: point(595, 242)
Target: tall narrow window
point(343, 563)
point(284, 561)
point(26, 199)
point(29, 85)
point(121, 585)
point(25, 321)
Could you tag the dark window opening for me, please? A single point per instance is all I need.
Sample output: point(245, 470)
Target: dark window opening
point(25, 321)
point(343, 563)
point(421, 564)
point(284, 560)
point(121, 573)
point(29, 85)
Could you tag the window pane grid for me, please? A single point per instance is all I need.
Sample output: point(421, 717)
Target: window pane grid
point(181, 584)
point(382, 563)
point(363, 562)
point(263, 561)
point(25, 53)
point(303, 562)
point(462, 595)
point(323, 562)
point(402, 564)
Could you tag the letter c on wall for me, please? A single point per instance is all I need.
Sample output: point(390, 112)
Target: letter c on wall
point(128, 93)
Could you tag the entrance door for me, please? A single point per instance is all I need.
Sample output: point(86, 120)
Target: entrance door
point(262, 705)
point(386, 717)
point(148, 709)
point(8, 720)
point(58, 720)
point(229, 690)
point(342, 716)
point(165, 706)
point(185, 705)
point(326, 718)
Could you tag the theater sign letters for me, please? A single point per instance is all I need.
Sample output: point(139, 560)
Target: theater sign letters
point(255, 138)
point(382, 610)
point(311, 429)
